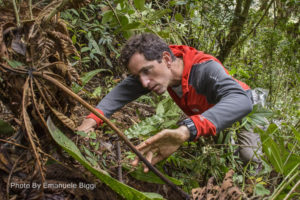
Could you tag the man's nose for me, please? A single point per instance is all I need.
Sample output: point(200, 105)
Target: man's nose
point(145, 81)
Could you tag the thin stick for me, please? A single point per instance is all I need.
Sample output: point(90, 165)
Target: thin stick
point(10, 174)
point(183, 194)
point(13, 143)
point(16, 13)
point(292, 190)
point(114, 12)
point(30, 9)
point(119, 162)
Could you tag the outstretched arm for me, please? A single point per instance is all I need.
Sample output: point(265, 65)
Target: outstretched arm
point(126, 91)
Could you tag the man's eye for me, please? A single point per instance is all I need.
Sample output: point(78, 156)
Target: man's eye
point(146, 71)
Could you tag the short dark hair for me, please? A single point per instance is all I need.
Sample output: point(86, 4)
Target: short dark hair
point(148, 44)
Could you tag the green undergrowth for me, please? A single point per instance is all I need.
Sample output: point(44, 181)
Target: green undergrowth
point(122, 189)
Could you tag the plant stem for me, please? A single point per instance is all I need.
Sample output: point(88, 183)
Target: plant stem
point(16, 13)
point(292, 190)
point(30, 9)
point(114, 12)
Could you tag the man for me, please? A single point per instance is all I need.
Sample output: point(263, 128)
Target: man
point(197, 82)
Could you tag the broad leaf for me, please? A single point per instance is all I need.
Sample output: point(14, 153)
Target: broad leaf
point(139, 4)
point(179, 18)
point(260, 190)
point(123, 190)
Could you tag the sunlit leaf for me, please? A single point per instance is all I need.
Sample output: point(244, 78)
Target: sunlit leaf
point(139, 4)
point(260, 190)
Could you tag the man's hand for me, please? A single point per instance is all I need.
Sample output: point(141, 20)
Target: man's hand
point(162, 145)
point(87, 125)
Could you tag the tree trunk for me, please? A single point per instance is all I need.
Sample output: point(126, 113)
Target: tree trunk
point(236, 27)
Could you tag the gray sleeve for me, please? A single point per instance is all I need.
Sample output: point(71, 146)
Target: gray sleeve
point(232, 102)
point(126, 91)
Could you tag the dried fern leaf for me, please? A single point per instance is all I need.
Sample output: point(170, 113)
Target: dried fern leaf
point(73, 74)
point(64, 119)
point(64, 42)
point(62, 27)
point(77, 4)
point(37, 106)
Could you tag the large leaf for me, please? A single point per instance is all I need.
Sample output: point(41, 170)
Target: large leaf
point(5, 128)
point(271, 149)
point(123, 190)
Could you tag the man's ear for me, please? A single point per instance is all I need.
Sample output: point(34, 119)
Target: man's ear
point(167, 58)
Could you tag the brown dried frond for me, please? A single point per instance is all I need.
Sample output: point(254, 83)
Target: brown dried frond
point(31, 135)
point(45, 48)
point(61, 26)
point(73, 75)
point(211, 191)
point(77, 4)
point(64, 42)
point(64, 119)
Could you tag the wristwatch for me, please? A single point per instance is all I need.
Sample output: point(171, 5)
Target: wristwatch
point(191, 126)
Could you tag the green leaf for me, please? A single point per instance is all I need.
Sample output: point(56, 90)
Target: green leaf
point(81, 133)
point(139, 4)
point(260, 190)
point(160, 109)
point(74, 39)
point(179, 18)
point(89, 75)
point(97, 92)
point(107, 16)
point(123, 190)
point(85, 49)
point(130, 26)
point(14, 63)
point(271, 149)
point(5, 128)
point(297, 134)
point(158, 14)
point(150, 177)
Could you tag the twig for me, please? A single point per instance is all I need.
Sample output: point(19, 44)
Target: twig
point(10, 174)
point(16, 144)
point(119, 162)
point(292, 190)
point(260, 20)
point(16, 13)
point(30, 9)
point(183, 194)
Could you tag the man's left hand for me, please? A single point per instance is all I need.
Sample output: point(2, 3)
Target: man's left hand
point(162, 145)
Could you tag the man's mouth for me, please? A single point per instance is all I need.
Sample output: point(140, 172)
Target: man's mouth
point(156, 87)
point(152, 88)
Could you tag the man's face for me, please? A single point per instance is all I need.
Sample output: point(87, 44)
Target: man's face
point(153, 75)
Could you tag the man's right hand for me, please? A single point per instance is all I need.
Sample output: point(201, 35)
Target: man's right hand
point(87, 125)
